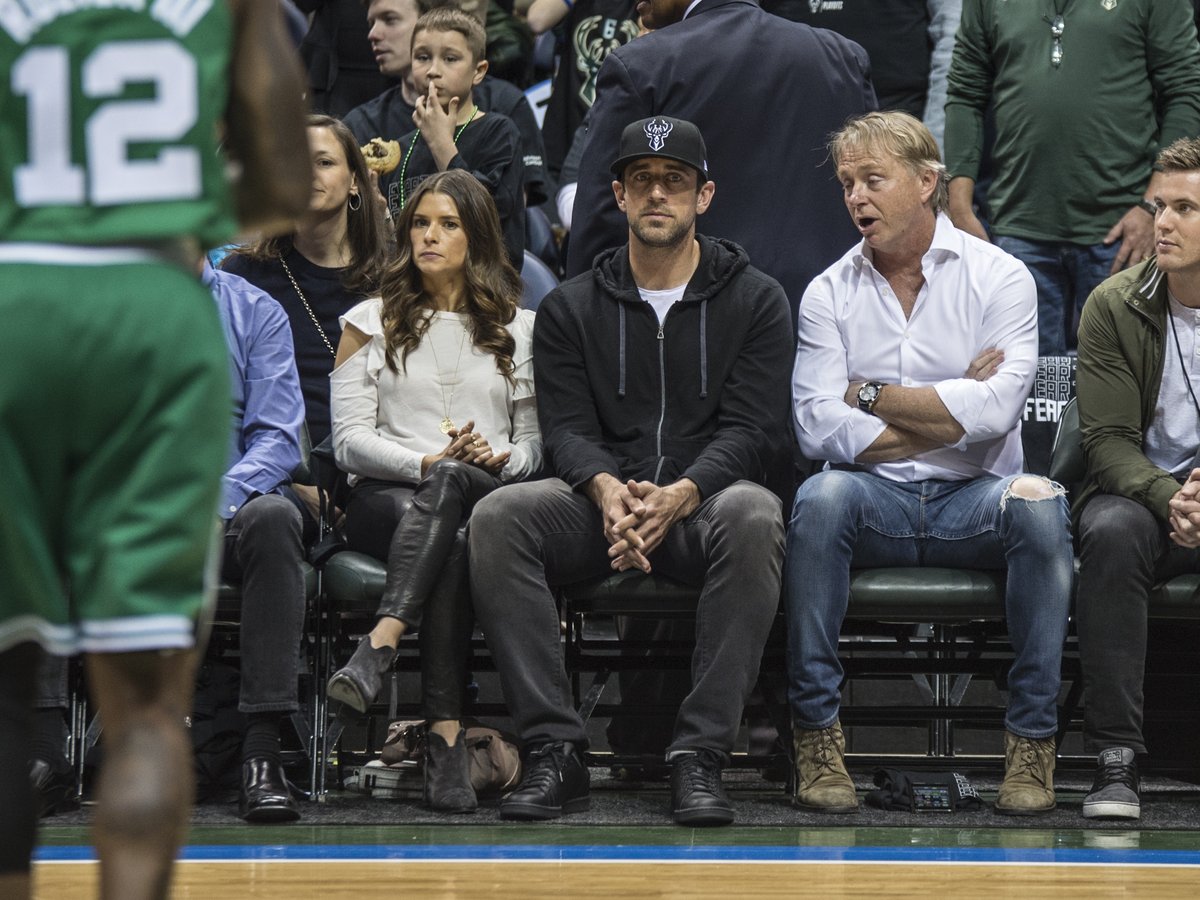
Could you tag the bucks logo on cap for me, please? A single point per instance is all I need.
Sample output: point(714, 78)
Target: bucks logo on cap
point(657, 131)
point(665, 137)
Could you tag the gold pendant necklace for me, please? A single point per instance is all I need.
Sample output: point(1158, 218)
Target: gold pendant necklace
point(447, 424)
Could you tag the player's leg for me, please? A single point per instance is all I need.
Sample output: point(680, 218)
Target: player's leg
point(140, 529)
point(144, 794)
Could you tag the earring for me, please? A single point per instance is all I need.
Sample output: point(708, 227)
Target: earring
point(354, 207)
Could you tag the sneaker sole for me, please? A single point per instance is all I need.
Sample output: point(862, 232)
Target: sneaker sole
point(529, 812)
point(1112, 809)
point(343, 690)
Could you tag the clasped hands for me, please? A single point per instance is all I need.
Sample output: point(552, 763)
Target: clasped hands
point(1184, 518)
point(469, 446)
point(638, 514)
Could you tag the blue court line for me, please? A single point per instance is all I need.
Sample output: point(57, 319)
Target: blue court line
point(652, 853)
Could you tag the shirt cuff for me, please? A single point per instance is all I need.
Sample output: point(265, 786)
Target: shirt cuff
point(962, 401)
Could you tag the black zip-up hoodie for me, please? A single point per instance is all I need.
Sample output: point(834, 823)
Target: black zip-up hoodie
point(706, 396)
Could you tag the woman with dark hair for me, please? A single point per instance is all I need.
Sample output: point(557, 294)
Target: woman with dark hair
point(332, 261)
point(433, 409)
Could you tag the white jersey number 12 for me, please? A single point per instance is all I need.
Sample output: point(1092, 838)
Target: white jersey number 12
point(111, 177)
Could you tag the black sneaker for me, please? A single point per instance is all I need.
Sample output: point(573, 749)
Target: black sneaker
point(555, 781)
point(1115, 791)
point(697, 797)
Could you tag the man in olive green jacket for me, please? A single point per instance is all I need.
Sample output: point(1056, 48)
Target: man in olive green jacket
point(1138, 515)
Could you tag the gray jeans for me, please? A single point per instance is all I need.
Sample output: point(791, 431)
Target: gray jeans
point(263, 550)
point(527, 539)
point(1123, 552)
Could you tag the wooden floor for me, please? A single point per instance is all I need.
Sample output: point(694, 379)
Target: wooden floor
point(289, 880)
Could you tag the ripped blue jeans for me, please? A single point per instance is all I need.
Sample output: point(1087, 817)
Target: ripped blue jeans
point(849, 519)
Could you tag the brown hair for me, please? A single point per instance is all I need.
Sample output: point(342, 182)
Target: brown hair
point(1181, 156)
point(493, 285)
point(897, 134)
point(368, 242)
point(451, 18)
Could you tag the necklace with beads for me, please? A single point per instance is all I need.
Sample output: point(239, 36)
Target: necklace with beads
point(413, 143)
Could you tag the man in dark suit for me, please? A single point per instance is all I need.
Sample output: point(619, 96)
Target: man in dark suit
point(766, 93)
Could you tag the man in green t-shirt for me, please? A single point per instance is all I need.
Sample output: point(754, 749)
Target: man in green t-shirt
point(1085, 93)
point(114, 405)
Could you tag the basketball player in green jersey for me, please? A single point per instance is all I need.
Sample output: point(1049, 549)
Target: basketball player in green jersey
point(114, 395)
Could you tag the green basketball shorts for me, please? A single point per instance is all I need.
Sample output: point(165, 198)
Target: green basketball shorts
point(114, 433)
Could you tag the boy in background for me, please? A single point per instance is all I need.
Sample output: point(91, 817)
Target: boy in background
point(452, 131)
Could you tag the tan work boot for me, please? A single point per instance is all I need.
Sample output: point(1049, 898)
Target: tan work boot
point(822, 782)
point(1028, 788)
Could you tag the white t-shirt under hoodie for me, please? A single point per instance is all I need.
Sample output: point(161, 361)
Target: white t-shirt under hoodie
point(384, 422)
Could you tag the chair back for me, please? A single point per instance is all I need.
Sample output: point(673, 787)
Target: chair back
point(537, 281)
point(303, 473)
point(1067, 463)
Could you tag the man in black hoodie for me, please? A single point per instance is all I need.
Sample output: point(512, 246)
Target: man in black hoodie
point(662, 385)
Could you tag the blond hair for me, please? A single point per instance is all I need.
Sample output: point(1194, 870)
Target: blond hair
point(896, 134)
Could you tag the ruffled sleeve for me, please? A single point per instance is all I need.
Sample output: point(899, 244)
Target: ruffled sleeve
point(358, 446)
point(526, 457)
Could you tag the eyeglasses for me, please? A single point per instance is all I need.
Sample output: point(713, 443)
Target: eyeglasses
point(1057, 26)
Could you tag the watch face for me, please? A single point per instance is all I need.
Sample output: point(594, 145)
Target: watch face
point(868, 392)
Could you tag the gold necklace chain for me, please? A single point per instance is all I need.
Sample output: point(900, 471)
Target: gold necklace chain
point(447, 424)
point(308, 309)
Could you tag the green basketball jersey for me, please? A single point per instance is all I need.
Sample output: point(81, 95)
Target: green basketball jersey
point(110, 113)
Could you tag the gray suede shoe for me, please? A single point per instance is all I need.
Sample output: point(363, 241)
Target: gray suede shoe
point(358, 682)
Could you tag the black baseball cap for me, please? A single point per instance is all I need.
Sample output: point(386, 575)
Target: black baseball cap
point(666, 138)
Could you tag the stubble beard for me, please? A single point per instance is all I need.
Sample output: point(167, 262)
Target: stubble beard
point(676, 235)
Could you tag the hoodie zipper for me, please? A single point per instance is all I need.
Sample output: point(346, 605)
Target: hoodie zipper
point(662, 411)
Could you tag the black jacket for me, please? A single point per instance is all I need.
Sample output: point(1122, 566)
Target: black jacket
point(704, 397)
point(765, 93)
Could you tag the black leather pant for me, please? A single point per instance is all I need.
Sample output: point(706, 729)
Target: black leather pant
point(421, 532)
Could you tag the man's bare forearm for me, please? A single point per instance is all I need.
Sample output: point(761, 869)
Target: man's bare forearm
point(920, 411)
point(266, 120)
point(896, 443)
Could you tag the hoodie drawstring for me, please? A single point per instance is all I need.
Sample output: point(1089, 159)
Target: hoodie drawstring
point(703, 349)
point(621, 379)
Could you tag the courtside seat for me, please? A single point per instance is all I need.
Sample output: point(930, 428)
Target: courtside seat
point(355, 582)
point(874, 646)
point(926, 594)
point(1179, 598)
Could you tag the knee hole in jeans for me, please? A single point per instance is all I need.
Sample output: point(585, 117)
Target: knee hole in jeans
point(1031, 487)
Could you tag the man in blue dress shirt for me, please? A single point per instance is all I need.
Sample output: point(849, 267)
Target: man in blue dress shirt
point(264, 531)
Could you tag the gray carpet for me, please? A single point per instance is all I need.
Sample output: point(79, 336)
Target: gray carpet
point(1166, 805)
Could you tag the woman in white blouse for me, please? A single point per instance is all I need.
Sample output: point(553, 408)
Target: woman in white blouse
point(433, 408)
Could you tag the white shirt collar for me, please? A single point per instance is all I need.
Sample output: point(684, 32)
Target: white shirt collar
point(946, 238)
